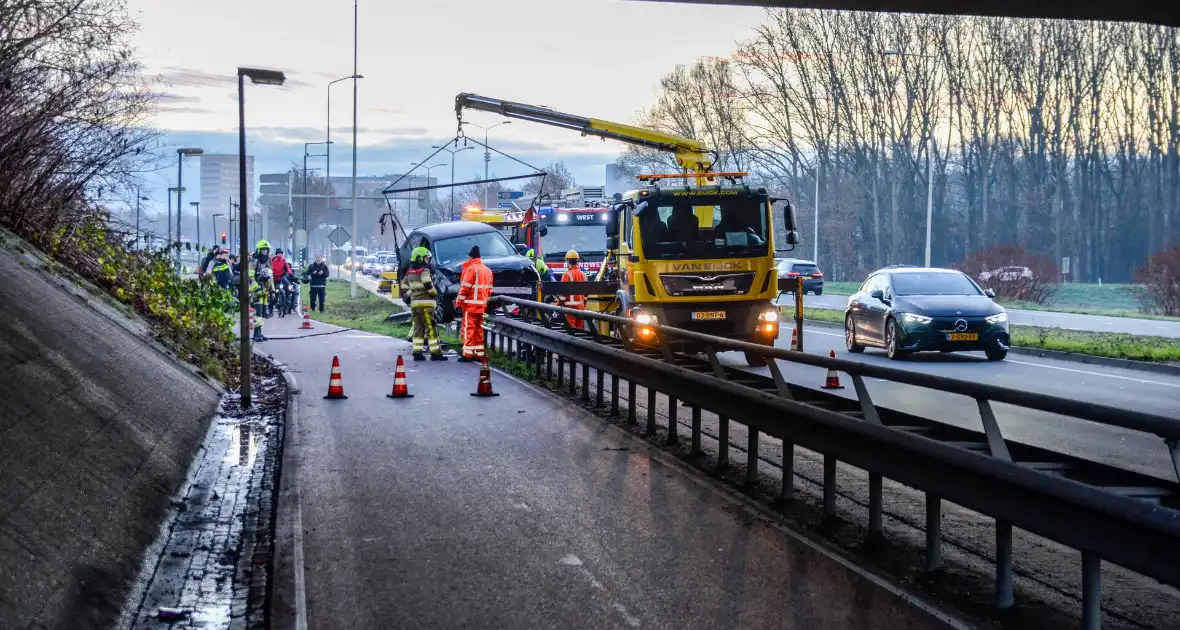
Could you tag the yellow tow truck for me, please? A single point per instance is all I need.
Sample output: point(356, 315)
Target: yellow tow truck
point(692, 252)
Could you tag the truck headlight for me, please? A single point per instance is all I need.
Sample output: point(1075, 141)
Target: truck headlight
point(917, 320)
point(768, 316)
point(998, 318)
point(646, 319)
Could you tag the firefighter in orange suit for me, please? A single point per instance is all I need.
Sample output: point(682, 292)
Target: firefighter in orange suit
point(475, 289)
point(573, 273)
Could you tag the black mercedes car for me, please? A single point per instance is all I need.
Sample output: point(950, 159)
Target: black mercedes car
point(449, 243)
point(913, 309)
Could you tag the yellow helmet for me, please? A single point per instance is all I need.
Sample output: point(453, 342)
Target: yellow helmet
point(572, 254)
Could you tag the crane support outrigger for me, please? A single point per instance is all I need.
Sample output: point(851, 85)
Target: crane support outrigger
point(698, 256)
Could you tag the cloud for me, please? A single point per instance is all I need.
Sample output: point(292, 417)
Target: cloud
point(169, 98)
point(194, 78)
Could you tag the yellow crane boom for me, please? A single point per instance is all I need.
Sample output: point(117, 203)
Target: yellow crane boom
point(690, 154)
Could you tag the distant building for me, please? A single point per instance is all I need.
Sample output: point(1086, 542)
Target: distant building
point(219, 182)
point(616, 181)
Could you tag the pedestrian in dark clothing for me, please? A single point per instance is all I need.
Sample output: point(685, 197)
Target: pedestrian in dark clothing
point(318, 273)
point(220, 270)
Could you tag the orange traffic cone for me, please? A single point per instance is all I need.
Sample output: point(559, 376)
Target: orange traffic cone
point(833, 379)
point(306, 325)
point(795, 338)
point(400, 390)
point(335, 383)
point(484, 389)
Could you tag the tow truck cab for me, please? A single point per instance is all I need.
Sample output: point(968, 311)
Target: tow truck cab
point(699, 258)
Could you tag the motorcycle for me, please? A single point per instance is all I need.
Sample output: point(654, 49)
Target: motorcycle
point(288, 296)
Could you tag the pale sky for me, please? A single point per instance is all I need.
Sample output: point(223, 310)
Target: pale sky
point(599, 58)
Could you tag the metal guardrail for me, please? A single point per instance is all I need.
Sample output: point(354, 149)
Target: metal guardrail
point(1107, 513)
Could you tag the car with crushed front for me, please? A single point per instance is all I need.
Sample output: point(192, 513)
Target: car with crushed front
point(449, 244)
point(913, 309)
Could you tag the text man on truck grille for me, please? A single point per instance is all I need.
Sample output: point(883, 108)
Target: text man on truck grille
point(475, 289)
point(417, 288)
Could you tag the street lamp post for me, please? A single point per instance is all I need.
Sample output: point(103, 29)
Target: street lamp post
point(257, 77)
point(487, 156)
point(180, 155)
point(328, 134)
point(176, 190)
point(355, 75)
point(452, 152)
point(428, 169)
point(303, 217)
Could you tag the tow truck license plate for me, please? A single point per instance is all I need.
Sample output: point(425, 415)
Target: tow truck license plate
point(962, 337)
point(708, 315)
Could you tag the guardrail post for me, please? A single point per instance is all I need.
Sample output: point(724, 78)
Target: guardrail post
point(876, 532)
point(673, 438)
point(630, 401)
point(598, 379)
point(560, 371)
point(933, 532)
point(651, 411)
point(585, 382)
point(696, 430)
point(1091, 591)
point(538, 354)
point(751, 455)
point(1004, 597)
point(614, 395)
point(722, 442)
point(548, 366)
point(573, 378)
point(788, 491)
point(829, 487)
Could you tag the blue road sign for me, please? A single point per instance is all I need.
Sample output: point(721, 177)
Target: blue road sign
point(509, 194)
point(505, 204)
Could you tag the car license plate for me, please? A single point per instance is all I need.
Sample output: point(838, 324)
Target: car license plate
point(962, 337)
point(708, 315)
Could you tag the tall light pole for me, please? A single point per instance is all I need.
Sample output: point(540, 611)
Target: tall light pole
point(355, 76)
point(487, 156)
point(428, 169)
point(452, 152)
point(176, 190)
point(929, 161)
point(257, 77)
point(328, 134)
point(180, 155)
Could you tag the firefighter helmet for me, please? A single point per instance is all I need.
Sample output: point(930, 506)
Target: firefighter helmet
point(263, 244)
point(420, 254)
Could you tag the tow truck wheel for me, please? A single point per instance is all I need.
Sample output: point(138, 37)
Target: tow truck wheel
point(755, 360)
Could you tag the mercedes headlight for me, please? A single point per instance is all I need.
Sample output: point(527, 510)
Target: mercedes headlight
point(998, 318)
point(918, 320)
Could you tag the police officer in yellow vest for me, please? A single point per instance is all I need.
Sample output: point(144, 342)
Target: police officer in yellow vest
point(418, 291)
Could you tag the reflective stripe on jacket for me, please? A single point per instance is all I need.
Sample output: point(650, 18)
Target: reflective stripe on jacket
point(475, 287)
point(419, 284)
point(574, 274)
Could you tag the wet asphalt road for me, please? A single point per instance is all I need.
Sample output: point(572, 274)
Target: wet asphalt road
point(1127, 389)
point(1048, 319)
point(447, 511)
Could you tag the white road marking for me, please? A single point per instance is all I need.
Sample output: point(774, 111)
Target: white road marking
point(576, 562)
point(1052, 367)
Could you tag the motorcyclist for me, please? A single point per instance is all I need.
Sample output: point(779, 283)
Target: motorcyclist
point(282, 272)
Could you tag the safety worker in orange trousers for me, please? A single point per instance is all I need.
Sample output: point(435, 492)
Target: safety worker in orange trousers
point(475, 289)
point(573, 273)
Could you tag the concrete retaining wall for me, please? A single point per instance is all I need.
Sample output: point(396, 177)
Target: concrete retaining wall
point(97, 428)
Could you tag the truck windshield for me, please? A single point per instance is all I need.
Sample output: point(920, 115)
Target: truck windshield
point(671, 229)
point(583, 238)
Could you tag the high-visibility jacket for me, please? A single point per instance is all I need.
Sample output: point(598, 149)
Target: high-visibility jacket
point(475, 287)
point(419, 286)
point(573, 274)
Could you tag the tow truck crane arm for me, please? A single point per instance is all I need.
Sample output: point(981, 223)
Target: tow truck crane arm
point(690, 154)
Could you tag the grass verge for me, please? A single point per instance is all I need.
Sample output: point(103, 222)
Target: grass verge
point(365, 312)
point(1098, 344)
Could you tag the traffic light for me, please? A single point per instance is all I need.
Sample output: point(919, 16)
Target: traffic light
point(223, 238)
